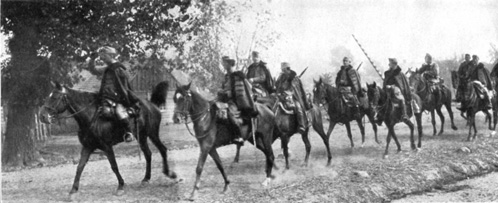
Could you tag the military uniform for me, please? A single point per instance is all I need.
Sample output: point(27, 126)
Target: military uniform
point(261, 78)
point(348, 82)
point(289, 82)
point(477, 72)
point(462, 75)
point(397, 82)
point(431, 75)
point(116, 95)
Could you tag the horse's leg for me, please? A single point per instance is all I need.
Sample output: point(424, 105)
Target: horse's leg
point(214, 154)
point(205, 149)
point(393, 134)
point(470, 124)
point(374, 126)
point(388, 139)
point(331, 128)
point(236, 159)
point(148, 158)
point(488, 116)
point(84, 156)
point(348, 128)
point(447, 105)
point(418, 119)
point(307, 145)
point(433, 122)
point(114, 166)
point(164, 154)
point(362, 130)
point(495, 117)
point(263, 143)
point(412, 136)
point(284, 139)
point(441, 117)
point(474, 125)
point(317, 125)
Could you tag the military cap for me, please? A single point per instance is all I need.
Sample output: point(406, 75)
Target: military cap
point(393, 60)
point(285, 65)
point(346, 58)
point(108, 50)
point(428, 56)
point(255, 53)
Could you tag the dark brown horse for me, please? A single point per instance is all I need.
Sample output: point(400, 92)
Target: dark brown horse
point(106, 133)
point(429, 103)
point(382, 102)
point(212, 132)
point(286, 121)
point(473, 104)
point(337, 110)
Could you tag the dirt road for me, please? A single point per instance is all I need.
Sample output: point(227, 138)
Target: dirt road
point(98, 183)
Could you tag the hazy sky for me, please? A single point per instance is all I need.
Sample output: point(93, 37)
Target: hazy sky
point(406, 30)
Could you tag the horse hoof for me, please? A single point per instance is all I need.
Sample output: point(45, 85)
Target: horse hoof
point(385, 156)
point(267, 182)
point(492, 134)
point(192, 197)
point(362, 145)
point(119, 192)
point(225, 189)
point(144, 183)
point(304, 165)
point(454, 128)
point(172, 175)
point(72, 197)
point(399, 151)
point(418, 150)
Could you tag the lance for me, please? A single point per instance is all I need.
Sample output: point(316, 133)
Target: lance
point(302, 73)
point(371, 62)
point(359, 66)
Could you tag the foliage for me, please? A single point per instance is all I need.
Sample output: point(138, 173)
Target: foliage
point(226, 31)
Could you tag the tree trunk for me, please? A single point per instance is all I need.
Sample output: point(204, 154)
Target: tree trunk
point(19, 146)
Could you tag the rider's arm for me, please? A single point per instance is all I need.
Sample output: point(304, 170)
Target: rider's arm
point(95, 69)
point(436, 67)
point(261, 76)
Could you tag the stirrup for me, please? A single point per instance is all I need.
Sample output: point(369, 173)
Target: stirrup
point(239, 140)
point(128, 137)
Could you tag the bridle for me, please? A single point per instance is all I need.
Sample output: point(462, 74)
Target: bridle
point(194, 117)
point(53, 112)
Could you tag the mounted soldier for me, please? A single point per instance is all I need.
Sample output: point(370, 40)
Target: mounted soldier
point(289, 83)
point(430, 71)
point(117, 100)
point(462, 75)
point(348, 82)
point(259, 76)
point(477, 72)
point(396, 81)
point(236, 92)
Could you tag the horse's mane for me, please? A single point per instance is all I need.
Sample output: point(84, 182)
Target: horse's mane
point(83, 97)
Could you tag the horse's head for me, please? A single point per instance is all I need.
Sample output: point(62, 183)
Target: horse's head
point(55, 104)
point(183, 100)
point(319, 92)
point(374, 96)
point(415, 79)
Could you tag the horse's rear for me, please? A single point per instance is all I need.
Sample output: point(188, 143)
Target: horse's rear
point(473, 103)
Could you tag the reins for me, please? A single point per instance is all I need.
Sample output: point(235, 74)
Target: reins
point(199, 115)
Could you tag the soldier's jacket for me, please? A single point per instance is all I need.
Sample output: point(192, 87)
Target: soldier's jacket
point(237, 89)
point(430, 70)
point(397, 78)
point(481, 74)
point(116, 87)
point(261, 76)
point(494, 72)
point(348, 76)
point(289, 82)
point(462, 70)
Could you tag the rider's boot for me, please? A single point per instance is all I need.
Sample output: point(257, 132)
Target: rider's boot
point(302, 120)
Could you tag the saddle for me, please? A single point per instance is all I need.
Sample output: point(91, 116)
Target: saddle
point(287, 104)
point(109, 110)
point(348, 97)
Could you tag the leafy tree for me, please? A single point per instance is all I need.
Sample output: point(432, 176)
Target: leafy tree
point(52, 39)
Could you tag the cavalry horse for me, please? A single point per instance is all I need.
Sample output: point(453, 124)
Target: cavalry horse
point(287, 123)
point(429, 103)
point(474, 103)
point(212, 132)
point(338, 111)
point(382, 102)
point(104, 133)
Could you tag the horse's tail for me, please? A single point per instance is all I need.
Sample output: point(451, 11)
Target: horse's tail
point(159, 93)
